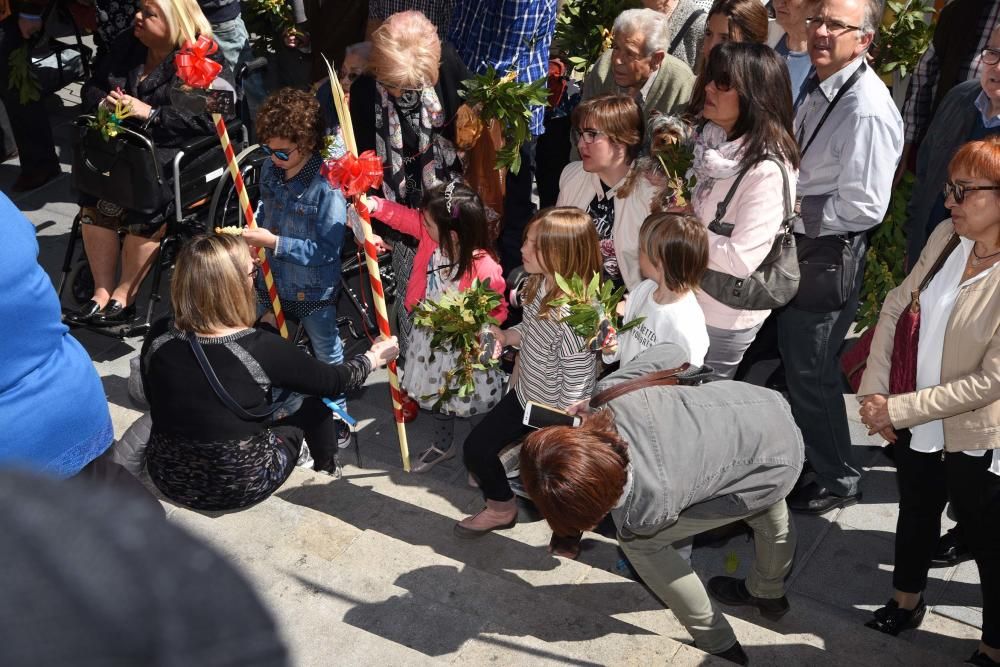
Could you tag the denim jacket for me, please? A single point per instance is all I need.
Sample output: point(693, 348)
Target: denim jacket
point(309, 217)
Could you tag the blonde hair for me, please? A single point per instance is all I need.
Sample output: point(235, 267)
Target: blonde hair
point(184, 20)
point(566, 243)
point(210, 288)
point(406, 52)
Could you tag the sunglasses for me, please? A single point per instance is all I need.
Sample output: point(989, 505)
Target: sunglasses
point(588, 136)
point(722, 82)
point(280, 154)
point(957, 191)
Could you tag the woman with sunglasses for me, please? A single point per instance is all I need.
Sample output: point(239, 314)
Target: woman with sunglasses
point(942, 432)
point(748, 119)
point(970, 111)
point(608, 132)
point(301, 221)
point(404, 109)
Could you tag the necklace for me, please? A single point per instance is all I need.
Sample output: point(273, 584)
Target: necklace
point(980, 259)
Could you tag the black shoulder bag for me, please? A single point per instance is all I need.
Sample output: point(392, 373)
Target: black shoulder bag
point(773, 283)
point(221, 392)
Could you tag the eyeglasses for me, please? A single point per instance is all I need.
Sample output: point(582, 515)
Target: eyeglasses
point(957, 191)
point(833, 26)
point(254, 272)
point(280, 154)
point(990, 56)
point(589, 136)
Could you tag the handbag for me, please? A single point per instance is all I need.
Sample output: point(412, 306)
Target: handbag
point(828, 267)
point(776, 280)
point(684, 374)
point(906, 337)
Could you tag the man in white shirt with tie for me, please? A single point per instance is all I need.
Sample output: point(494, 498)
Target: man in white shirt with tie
point(851, 137)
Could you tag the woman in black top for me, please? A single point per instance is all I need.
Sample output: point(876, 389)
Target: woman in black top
point(201, 453)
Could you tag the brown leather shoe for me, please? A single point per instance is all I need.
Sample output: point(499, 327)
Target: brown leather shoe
point(36, 178)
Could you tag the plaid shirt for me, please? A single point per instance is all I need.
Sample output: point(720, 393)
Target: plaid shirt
point(437, 11)
point(507, 34)
point(922, 90)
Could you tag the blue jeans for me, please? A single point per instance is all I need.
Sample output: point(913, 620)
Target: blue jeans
point(325, 338)
point(234, 42)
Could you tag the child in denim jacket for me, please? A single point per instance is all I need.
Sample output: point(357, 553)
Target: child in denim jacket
point(301, 220)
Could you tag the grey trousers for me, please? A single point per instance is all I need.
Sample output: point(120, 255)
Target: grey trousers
point(669, 576)
point(726, 348)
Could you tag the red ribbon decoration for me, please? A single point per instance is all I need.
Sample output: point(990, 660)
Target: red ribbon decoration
point(354, 175)
point(193, 64)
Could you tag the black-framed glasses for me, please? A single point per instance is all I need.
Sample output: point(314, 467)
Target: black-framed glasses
point(957, 191)
point(588, 135)
point(254, 272)
point(833, 26)
point(278, 153)
point(990, 56)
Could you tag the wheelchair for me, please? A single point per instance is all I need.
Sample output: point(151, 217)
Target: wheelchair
point(127, 171)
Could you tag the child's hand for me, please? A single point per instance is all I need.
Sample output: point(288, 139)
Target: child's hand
point(610, 346)
point(501, 340)
point(260, 237)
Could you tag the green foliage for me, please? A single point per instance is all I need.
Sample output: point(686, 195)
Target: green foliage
point(676, 160)
point(21, 77)
point(886, 256)
point(904, 39)
point(583, 29)
point(108, 122)
point(456, 320)
point(509, 102)
point(267, 21)
point(589, 305)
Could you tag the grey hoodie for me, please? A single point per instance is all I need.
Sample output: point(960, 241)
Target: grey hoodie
point(716, 450)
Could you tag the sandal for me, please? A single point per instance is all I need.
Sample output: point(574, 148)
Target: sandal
point(432, 456)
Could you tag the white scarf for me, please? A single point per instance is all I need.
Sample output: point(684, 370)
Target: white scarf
point(715, 159)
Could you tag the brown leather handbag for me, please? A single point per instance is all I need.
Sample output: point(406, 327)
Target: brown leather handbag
point(684, 374)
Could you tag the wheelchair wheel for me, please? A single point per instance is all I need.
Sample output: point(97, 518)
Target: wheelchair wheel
point(81, 283)
point(225, 208)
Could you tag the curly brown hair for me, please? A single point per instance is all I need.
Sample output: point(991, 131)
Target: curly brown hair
point(294, 115)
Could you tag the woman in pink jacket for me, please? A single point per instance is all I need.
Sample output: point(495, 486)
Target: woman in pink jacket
point(453, 249)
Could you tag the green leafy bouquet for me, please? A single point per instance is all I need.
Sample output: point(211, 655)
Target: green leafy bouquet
point(904, 36)
point(509, 102)
point(583, 29)
point(592, 309)
point(267, 22)
point(456, 321)
point(21, 77)
point(108, 121)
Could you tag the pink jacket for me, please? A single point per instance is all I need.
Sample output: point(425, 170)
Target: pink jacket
point(409, 221)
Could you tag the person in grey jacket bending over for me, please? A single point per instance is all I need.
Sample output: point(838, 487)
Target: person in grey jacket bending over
point(670, 462)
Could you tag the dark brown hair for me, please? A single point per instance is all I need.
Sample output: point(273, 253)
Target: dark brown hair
point(575, 475)
point(760, 78)
point(679, 245)
point(294, 115)
point(466, 218)
point(747, 21)
point(617, 116)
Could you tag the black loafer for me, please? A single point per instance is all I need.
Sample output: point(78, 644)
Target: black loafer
point(733, 592)
point(115, 313)
point(814, 498)
point(951, 550)
point(735, 654)
point(85, 313)
point(892, 620)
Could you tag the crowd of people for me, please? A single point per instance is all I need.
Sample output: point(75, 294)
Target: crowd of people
point(796, 147)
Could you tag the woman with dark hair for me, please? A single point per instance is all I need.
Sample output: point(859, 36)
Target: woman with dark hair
point(745, 151)
point(670, 462)
point(728, 21)
point(944, 431)
point(608, 131)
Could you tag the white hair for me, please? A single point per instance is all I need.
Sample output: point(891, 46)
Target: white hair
point(649, 23)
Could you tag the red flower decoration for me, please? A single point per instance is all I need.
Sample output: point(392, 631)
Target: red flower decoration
point(354, 175)
point(194, 67)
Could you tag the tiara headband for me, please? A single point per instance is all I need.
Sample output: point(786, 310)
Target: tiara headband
point(449, 191)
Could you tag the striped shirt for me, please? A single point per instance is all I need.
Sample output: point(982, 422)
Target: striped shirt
point(505, 35)
point(555, 366)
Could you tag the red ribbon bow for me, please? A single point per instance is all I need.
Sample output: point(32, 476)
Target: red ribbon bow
point(193, 64)
point(354, 175)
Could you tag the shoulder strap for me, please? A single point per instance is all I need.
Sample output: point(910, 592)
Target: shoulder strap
point(840, 93)
point(785, 188)
point(683, 374)
point(692, 17)
point(939, 262)
point(217, 387)
point(724, 229)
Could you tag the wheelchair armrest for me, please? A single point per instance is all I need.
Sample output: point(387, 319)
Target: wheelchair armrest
point(198, 144)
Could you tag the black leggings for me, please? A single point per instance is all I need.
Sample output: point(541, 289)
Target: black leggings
point(975, 497)
point(313, 421)
point(923, 491)
point(500, 427)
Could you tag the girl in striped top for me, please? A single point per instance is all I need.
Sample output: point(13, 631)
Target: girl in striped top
point(554, 368)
